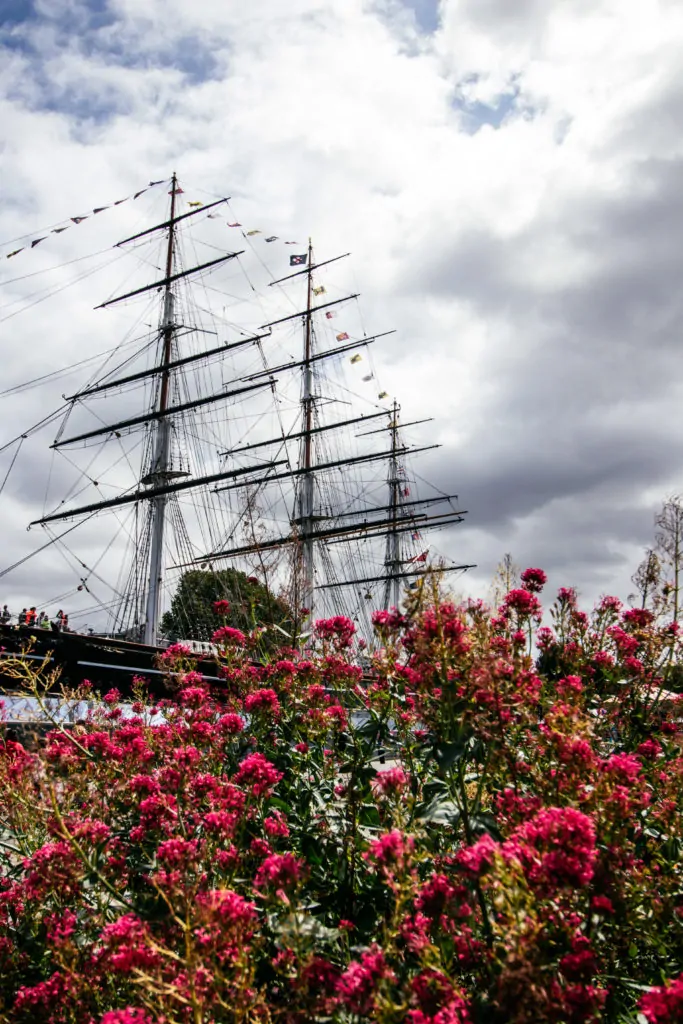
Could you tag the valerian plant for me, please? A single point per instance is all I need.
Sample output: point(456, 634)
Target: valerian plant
point(482, 826)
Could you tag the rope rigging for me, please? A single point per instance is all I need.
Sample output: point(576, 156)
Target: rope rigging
point(348, 470)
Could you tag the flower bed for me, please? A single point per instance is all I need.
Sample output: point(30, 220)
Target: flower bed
point(468, 835)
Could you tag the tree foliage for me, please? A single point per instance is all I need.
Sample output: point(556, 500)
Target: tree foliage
point(192, 615)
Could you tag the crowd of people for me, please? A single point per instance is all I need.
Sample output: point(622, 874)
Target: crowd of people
point(36, 620)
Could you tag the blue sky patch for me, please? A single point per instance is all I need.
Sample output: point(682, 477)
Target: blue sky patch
point(14, 12)
point(476, 114)
point(426, 14)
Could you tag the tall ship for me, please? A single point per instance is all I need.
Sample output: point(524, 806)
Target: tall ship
point(238, 424)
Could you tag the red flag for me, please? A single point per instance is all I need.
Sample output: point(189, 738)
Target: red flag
point(343, 336)
point(420, 558)
point(235, 225)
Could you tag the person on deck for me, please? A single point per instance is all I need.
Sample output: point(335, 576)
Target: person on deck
point(5, 616)
point(21, 620)
point(58, 623)
point(44, 620)
point(31, 616)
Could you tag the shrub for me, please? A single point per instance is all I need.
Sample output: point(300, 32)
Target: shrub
point(466, 834)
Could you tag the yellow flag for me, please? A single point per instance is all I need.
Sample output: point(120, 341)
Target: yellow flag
point(195, 203)
point(383, 394)
point(255, 231)
point(320, 290)
point(356, 358)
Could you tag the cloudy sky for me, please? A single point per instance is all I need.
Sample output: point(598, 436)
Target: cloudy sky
point(507, 176)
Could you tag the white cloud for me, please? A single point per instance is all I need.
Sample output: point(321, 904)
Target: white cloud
point(531, 268)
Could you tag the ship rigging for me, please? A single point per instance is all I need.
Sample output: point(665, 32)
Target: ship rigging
point(195, 457)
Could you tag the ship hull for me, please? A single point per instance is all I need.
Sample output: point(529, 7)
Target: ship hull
point(105, 662)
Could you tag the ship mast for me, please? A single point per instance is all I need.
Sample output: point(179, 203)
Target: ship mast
point(392, 560)
point(158, 474)
point(304, 580)
point(388, 522)
point(310, 527)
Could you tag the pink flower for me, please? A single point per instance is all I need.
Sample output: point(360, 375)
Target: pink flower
point(391, 850)
point(638, 618)
point(602, 903)
point(523, 602)
point(257, 772)
point(357, 986)
point(176, 853)
point(435, 896)
point(664, 1004)
point(337, 714)
point(221, 822)
point(626, 644)
point(650, 749)
point(556, 847)
point(60, 927)
point(193, 696)
point(279, 871)
point(391, 782)
point(221, 607)
point(544, 637)
point(176, 651)
point(126, 946)
point(437, 999)
point(624, 767)
point(609, 604)
point(479, 857)
point(534, 580)
point(228, 907)
point(231, 724)
point(263, 700)
point(388, 620)
point(131, 1015)
point(567, 596)
point(339, 629)
point(276, 824)
point(229, 637)
point(569, 685)
point(45, 995)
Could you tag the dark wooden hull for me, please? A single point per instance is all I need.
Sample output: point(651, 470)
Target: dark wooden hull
point(105, 662)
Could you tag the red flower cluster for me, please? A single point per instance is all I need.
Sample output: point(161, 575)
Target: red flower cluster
point(339, 630)
point(481, 823)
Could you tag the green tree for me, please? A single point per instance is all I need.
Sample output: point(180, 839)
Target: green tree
point(192, 615)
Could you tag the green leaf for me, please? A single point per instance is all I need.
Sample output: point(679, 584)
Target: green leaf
point(484, 822)
point(449, 753)
point(440, 811)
